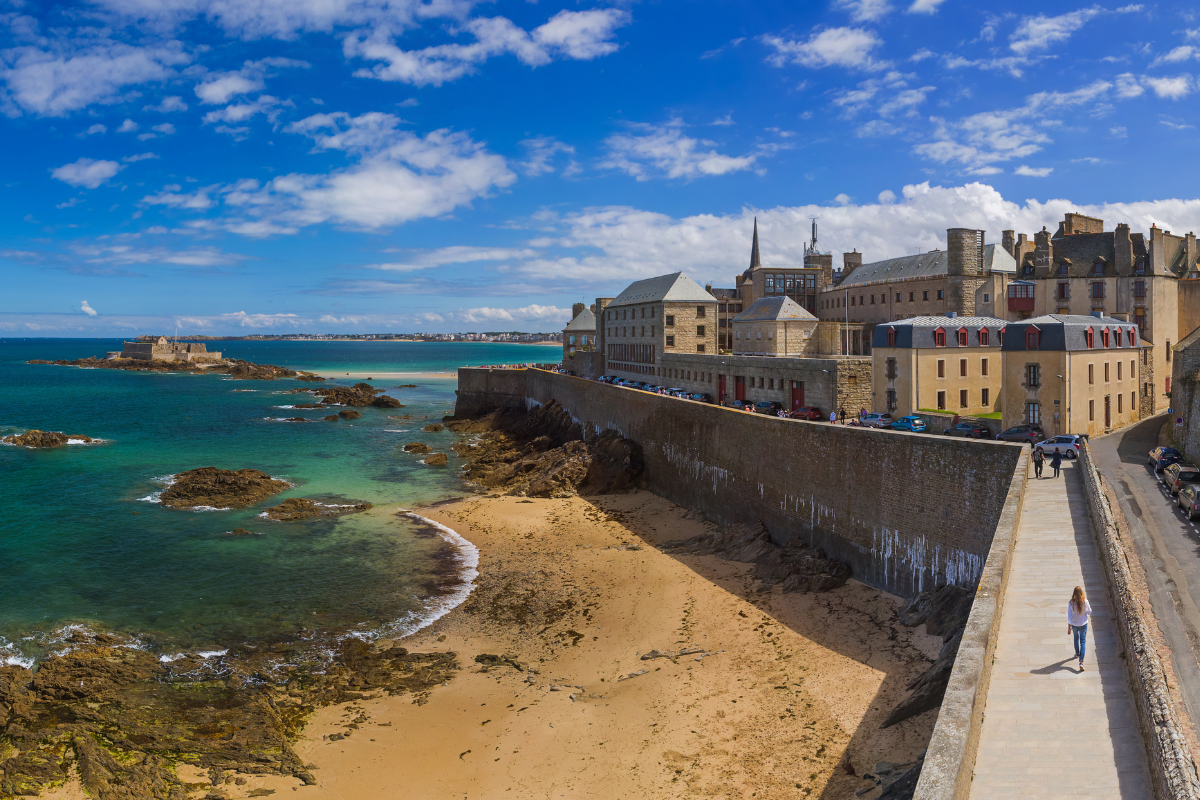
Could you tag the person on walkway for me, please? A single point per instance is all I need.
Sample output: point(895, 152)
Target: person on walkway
point(833, 418)
point(1056, 462)
point(1078, 612)
point(1039, 459)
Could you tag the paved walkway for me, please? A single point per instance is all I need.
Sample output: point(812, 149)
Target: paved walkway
point(1050, 731)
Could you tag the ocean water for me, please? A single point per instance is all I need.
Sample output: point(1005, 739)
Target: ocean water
point(83, 542)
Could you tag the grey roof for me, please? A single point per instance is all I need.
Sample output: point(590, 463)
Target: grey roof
point(772, 308)
point(1187, 341)
point(723, 294)
point(1066, 332)
point(918, 331)
point(585, 322)
point(933, 264)
point(673, 288)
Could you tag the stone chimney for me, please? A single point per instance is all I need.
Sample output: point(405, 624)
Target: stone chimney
point(577, 309)
point(1190, 243)
point(850, 262)
point(1009, 242)
point(1157, 256)
point(964, 251)
point(1073, 224)
point(1123, 247)
point(1043, 254)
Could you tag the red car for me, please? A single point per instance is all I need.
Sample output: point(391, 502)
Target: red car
point(807, 412)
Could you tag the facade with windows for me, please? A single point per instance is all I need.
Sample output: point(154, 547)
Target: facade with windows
point(948, 364)
point(1072, 373)
point(775, 326)
point(652, 317)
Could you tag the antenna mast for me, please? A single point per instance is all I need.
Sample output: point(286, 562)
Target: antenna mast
point(810, 248)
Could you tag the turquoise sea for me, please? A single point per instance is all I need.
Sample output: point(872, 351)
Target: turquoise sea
point(82, 542)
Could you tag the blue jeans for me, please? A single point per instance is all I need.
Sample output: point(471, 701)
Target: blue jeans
point(1080, 632)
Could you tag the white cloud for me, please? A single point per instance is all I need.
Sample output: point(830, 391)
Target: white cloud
point(831, 47)
point(128, 126)
point(921, 55)
point(1120, 131)
point(127, 255)
point(168, 104)
point(865, 10)
point(165, 128)
point(925, 6)
point(723, 122)
point(222, 88)
point(1128, 86)
point(577, 35)
point(240, 112)
point(85, 308)
point(876, 128)
point(69, 76)
point(905, 102)
point(665, 150)
point(887, 196)
point(540, 152)
point(86, 172)
point(244, 320)
point(457, 254)
point(525, 314)
point(139, 157)
point(1171, 88)
point(97, 128)
point(1039, 32)
point(1033, 172)
point(1177, 55)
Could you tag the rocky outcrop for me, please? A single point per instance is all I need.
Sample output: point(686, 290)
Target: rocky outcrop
point(349, 414)
point(121, 719)
point(796, 567)
point(436, 459)
point(434, 427)
point(37, 438)
point(298, 508)
point(221, 488)
point(332, 418)
point(360, 394)
point(944, 612)
point(308, 405)
point(236, 368)
point(417, 447)
point(545, 453)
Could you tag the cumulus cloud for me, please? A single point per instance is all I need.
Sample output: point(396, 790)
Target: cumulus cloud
point(664, 150)
point(165, 128)
point(925, 6)
point(85, 308)
point(86, 172)
point(168, 104)
point(575, 35)
point(1175, 56)
point(1033, 172)
point(540, 152)
point(97, 128)
point(865, 10)
point(1039, 32)
point(829, 47)
point(525, 314)
point(240, 112)
point(1171, 88)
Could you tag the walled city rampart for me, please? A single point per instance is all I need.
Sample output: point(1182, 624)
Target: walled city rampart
point(905, 511)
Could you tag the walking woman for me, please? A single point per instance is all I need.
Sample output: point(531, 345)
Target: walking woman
point(1078, 613)
point(1056, 462)
point(1039, 458)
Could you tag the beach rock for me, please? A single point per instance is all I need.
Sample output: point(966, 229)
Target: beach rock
point(309, 405)
point(39, 439)
point(309, 377)
point(241, 370)
point(383, 401)
point(298, 508)
point(904, 785)
point(295, 419)
point(489, 660)
point(360, 394)
point(220, 488)
point(436, 459)
point(365, 387)
point(349, 414)
point(241, 532)
point(407, 386)
point(417, 447)
point(332, 418)
point(434, 427)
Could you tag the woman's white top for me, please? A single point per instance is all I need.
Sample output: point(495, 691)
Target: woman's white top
point(1078, 620)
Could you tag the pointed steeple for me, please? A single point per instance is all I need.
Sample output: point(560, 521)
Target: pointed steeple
point(755, 263)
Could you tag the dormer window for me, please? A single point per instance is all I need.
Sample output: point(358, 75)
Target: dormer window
point(1000, 336)
point(891, 337)
point(1089, 338)
point(1032, 338)
point(1062, 269)
point(1132, 339)
point(1140, 267)
point(1098, 267)
point(1104, 336)
point(962, 337)
point(983, 337)
point(939, 337)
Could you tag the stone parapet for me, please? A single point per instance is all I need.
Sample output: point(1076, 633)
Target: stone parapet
point(1171, 766)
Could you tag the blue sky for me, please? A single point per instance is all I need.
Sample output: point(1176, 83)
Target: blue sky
point(250, 166)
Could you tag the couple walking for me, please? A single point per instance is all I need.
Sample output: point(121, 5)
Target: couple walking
point(1039, 459)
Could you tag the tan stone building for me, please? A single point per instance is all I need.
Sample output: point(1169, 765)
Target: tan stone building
point(950, 364)
point(1082, 269)
point(1072, 373)
point(774, 326)
point(163, 349)
point(652, 317)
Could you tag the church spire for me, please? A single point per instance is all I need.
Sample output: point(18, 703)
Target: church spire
point(755, 263)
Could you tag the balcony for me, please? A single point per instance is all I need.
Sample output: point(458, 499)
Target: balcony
point(1020, 304)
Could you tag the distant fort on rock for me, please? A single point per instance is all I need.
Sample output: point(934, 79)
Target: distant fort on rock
point(163, 349)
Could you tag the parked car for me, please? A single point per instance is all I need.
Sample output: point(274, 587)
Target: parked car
point(969, 430)
point(699, 397)
point(771, 407)
point(807, 412)
point(1162, 457)
point(1029, 434)
point(1067, 445)
point(1187, 500)
point(877, 421)
point(913, 424)
point(1178, 475)
point(742, 405)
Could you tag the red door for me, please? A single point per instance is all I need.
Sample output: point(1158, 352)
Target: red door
point(739, 387)
point(797, 394)
point(720, 388)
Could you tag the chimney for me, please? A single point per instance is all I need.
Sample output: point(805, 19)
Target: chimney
point(850, 262)
point(1123, 250)
point(1008, 242)
point(1043, 254)
point(1157, 255)
point(964, 251)
point(577, 309)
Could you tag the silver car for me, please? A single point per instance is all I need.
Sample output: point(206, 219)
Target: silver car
point(1067, 445)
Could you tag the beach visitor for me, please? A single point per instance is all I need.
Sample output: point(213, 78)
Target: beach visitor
point(833, 418)
point(1056, 462)
point(1078, 612)
point(1039, 458)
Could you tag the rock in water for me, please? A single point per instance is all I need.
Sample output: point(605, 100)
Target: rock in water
point(332, 418)
point(221, 488)
point(44, 438)
point(298, 508)
point(436, 459)
point(349, 414)
point(309, 405)
point(360, 394)
point(383, 401)
point(434, 427)
point(417, 447)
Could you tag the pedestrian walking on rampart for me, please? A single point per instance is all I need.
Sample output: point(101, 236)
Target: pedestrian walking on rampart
point(1056, 462)
point(833, 418)
point(1039, 459)
point(1078, 613)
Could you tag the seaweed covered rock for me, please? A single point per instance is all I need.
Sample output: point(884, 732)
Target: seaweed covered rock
point(39, 439)
point(298, 508)
point(349, 413)
point(434, 427)
point(242, 370)
point(221, 488)
point(360, 394)
point(436, 459)
point(332, 418)
point(417, 447)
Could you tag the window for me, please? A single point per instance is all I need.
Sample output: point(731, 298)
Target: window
point(1091, 410)
point(987, 298)
point(1098, 290)
point(1118, 370)
point(891, 399)
point(891, 337)
point(962, 398)
point(1168, 351)
point(771, 383)
point(897, 297)
point(872, 299)
point(1106, 372)
point(985, 397)
point(941, 294)
point(912, 296)
point(962, 337)
point(1098, 267)
point(1062, 269)
point(699, 330)
point(1032, 338)
point(983, 368)
point(770, 284)
point(939, 337)
point(1132, 400)
point(941, 401)
point(721, 308)
point(1033, 413)
point(924, 295)
point(669, 320)
point(1139, 288)
point(1140, 267)
point(1119, 398)
point(983, 338)
point(670, 341)
point(1000, 335)
point(1091, 373)
point(1104, 336)
point(941, 368)
point(1132, 368)
point(852, 301)
point(699, 348)
point(1033, 375)
point(962, 368)
point(890, 369)
point(1132, 341)
point(1089, 338)
point(643, 330)
point(1064, 291)
point(700, 311)
point(1139, 318)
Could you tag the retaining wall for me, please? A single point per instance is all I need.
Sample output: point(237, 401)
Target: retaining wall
point(905, 511)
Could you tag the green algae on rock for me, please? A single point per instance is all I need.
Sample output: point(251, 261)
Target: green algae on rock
point(221, 488)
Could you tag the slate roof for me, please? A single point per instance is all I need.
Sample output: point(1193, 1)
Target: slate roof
point(1080, 251)
point(918, 331)
point(585, 322)
point(933, 264)
point(1066, 332)
point(673, 288)
point(724, 294)
point(767, 309)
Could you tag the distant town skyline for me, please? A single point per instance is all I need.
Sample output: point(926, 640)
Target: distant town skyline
point(269, 167)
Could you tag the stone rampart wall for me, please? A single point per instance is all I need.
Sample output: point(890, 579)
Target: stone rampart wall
point(905, 511)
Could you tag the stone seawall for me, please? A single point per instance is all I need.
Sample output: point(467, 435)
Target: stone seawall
point(905, 511)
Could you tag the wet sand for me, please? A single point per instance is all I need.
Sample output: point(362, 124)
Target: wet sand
point(781, 691)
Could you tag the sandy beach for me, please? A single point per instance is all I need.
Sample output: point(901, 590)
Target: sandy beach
point(775, 695)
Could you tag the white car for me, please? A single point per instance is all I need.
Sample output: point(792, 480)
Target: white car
point(1067, 445)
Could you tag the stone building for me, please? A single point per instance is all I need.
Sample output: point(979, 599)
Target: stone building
point(163, 349)
point(729, 305)
point(802, 284)
point(1185, 396)
point(1151, 281)
point(950, 364)
point(651, 318)
point(1072, 373)
point(579, 340)
point(774, 326)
